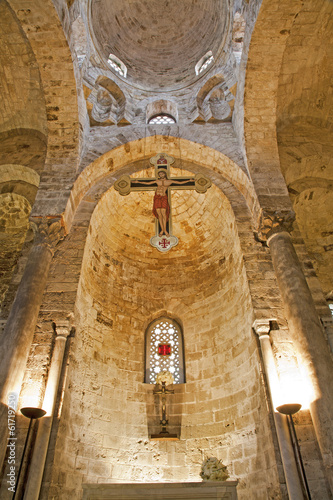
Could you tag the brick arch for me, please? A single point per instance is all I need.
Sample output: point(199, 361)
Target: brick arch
point(265, 57)
point(100, 175)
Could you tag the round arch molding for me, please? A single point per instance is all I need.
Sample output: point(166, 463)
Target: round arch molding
point(100, 175)
point(267, 46)
point(41, 21)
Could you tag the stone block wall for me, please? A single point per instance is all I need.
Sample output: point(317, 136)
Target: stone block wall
point(108, 410)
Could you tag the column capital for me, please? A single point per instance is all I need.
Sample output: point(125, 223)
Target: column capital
point(274, 221)
point(64, 327)
point(262, 326)
point(48, 230)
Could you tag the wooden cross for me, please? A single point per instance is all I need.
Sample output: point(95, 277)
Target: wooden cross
point(162, 184)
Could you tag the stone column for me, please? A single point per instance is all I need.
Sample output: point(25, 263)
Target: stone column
point(37, 464)
point(304, 325)
point(294, 487)
point(19, 330)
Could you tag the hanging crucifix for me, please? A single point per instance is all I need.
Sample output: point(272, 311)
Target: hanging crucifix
point(162, 184)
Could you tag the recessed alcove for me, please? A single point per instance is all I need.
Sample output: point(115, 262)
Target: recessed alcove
point(124, 285)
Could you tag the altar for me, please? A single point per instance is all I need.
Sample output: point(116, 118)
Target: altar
point(219, 490)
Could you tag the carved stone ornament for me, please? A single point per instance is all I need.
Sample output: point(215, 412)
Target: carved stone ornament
point(123, 185)
point(262, 326)
point(48, 231)
point(64, 327)
point(202, 183)
point(272, 222)
point(212, 469)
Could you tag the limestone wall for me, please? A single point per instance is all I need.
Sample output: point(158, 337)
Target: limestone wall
point(108, 410)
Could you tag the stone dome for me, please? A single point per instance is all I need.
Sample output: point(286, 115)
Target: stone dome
point(159, 41)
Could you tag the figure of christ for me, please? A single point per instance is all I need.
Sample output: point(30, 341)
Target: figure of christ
point(161, 207)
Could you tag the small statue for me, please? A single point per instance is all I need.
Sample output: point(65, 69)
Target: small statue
point(213, 469)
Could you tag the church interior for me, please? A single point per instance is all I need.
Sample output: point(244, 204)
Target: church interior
point(232, 303)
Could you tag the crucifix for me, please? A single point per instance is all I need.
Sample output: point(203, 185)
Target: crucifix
point(162, 184)
point(164, 421)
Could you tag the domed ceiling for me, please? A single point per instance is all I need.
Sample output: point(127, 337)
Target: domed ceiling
point(160, 41)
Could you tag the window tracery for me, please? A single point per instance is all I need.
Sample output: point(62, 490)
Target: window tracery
point(162, 119)
point(164, 350)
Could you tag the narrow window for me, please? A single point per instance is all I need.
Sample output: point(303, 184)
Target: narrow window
point(117, 65)
point(204, 62)
point(164, 350)
point(330, 305)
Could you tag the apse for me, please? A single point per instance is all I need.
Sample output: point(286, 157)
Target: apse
point(125, 285)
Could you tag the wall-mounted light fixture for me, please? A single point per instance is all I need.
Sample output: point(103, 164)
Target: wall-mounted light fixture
point(290, 409)
point(33, 414)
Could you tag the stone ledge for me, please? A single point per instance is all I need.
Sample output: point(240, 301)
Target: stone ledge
point(162, 491)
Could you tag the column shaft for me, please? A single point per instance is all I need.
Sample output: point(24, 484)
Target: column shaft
point(293, 482)
point(18, 333)
point(19, 330)
point(308, 336)
point(44, 428)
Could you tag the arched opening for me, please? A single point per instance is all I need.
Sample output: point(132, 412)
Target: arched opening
point(124, 283)
point(164, 350)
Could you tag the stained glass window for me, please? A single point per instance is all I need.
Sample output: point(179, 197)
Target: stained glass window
point(164, 350)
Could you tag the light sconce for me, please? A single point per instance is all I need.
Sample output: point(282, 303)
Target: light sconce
point(33, 414)
point(289, 409)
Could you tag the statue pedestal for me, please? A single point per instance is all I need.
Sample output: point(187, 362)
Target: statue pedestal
point(219, 490)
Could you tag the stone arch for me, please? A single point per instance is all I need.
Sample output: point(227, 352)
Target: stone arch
point(116, 266)
point(21, 92)
point(103, 172)
point(108, 101)
point(215, 87)
point(161, 106)
point(267, 46)
point(287, 126)
point(61, 102)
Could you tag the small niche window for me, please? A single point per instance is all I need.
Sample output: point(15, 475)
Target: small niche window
point(164, 350)
point(117, 65)
point(161, 119)
point(238, 31)
point(204, 62)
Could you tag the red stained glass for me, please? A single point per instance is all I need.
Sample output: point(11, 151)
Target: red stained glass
point(164, 349)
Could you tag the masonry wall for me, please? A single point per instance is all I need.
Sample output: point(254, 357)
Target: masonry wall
point(108, 411)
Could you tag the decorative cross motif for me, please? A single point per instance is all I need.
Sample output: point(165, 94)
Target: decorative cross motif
point(162, 184)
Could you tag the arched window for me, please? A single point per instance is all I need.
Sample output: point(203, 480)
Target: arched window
point(164, 350)
point(161, 119)
point(117, 65)
point(204, 62)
